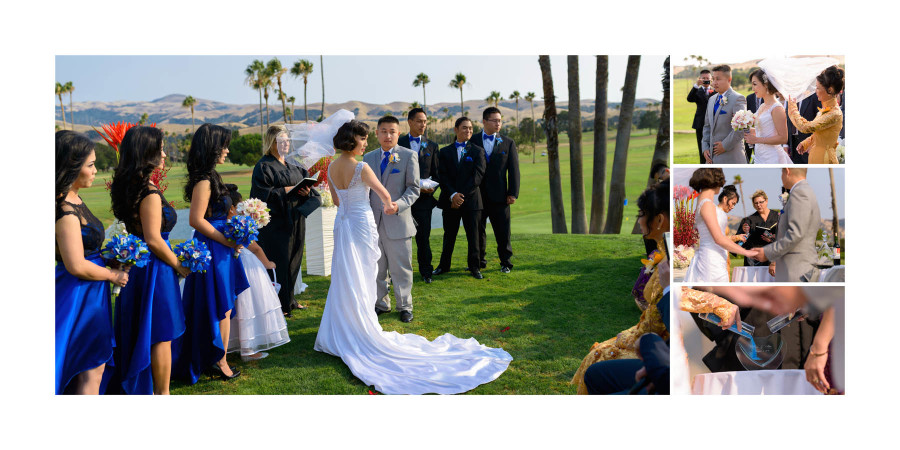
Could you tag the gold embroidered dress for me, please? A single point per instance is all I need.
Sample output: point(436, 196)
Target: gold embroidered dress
point(622, 346)
point(825, 129)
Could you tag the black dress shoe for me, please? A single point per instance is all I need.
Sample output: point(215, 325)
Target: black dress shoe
point(477, 275)
point(380, 312)
point(483, 265)
point(217, 372)
point(428, 279)
point(406, 316)
point(505, 269)
point(437, 272)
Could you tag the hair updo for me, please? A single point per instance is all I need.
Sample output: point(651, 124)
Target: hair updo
point(707, 178)
point(345, 139)
point(832, 79)
point(729, 192)
point(763, 79)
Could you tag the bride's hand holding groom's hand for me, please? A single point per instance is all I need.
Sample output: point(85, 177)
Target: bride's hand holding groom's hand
point(760, 254)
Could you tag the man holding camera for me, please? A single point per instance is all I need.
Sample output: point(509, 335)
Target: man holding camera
point(699, 94)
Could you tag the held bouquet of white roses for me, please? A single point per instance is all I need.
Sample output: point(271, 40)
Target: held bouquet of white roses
point(743, 121)
point(257, 209)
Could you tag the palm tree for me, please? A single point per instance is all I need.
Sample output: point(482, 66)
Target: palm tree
point(447, 114)
point(303, 68)
point(292, 99)
point(413, 106)
point(579, 221)
point(530, 98)
point(739, 182)
point(322, 71)
point(458, 81)
point(60, 90)
point(253, 72)
point(69, 89)
point(616, 206)
point(265, 83)
point(598, 189)
point(661, 151)
point(144, 118)
point(557, 208)
point(277, 70)
point(494, 99)
point(422, 80)
point(189, 103)
point(835, 221)
point(516, 96)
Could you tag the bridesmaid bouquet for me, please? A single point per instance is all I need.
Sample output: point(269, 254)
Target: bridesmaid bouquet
point(256, 209)
point(194, 255)
point(743, 121)
point(128, 250)
point(242, 230)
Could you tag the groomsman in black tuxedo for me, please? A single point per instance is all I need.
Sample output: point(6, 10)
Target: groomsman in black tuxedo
point(699, 94)
point(808, 108)
point(461, 168)
point(753, 104)
point(428, 167)
point(500, 187)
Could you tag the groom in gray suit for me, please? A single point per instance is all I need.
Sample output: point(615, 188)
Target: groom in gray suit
point(398, 170)
point(794, 249)
point(721, 144)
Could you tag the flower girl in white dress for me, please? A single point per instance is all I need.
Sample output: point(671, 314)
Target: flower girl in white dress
point(257, 323)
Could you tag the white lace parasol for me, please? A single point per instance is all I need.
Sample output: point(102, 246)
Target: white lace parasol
point(796, 77)
point(311, 142)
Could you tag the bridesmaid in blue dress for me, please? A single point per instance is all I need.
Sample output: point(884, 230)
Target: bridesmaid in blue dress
point(148, 312)
point(84, 333)
point(209, 297)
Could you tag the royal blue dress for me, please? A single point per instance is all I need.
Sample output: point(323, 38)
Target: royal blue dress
point(148, 311)
point(207, 297)
point(84, 329)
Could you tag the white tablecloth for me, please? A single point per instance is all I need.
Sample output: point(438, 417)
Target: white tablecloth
point(760, 274)
point(756, 382)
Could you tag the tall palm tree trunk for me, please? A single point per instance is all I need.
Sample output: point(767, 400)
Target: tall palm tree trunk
point(71, 110)
point(283, 104)
point(266, 95)
point(835, 221)
point(579, 221)
point(616, 205)
point(262, 131)
point(661, 151)
point(598, 188)
point(305, 109)
point(557, 208)
point(462, 110)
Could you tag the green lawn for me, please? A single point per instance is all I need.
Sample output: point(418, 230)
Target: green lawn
point(685, 144)
point(530, 214)
point(565, 293)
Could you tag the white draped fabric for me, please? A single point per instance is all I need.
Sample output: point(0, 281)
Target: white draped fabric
point(796, 77)
point(393, 363)
point(755, 382)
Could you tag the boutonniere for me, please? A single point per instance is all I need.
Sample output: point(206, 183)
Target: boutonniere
point(423, 145)
point(784, 197)
point(723, 101)
point(394, 159)
point(654, 258)
point(499, 140)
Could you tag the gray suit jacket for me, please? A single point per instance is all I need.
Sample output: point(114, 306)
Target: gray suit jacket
point(794, 249)
point(717, 128)
point(401, 179)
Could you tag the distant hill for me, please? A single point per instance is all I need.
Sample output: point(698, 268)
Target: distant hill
point(169, 115)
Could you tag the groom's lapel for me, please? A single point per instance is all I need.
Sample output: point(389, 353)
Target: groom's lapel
point(389, 168)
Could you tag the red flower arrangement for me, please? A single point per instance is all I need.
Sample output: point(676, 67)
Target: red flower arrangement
point(685, 234)
point(115, 132)
point(321, 167)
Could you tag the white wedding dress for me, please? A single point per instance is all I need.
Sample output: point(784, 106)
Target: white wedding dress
point(709, 263)
point(391, 362)
point(257, 323)
point(766, 153)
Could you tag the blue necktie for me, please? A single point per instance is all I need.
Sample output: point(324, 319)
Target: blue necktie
point(384, 161)
point(718, 100)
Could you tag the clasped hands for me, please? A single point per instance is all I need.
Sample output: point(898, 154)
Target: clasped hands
point(717, 149)
point(457, 200)
point(391, 208)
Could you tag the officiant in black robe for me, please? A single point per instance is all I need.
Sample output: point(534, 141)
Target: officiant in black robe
point(756, 236)
point(283, 238)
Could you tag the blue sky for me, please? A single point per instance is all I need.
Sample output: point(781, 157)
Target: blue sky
point(371, 79)
point(769, 180)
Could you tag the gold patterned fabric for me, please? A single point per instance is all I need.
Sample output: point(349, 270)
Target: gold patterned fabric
point(695, 301)
point(622, 346)
point(825, 129)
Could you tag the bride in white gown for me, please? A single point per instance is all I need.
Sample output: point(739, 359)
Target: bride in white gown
point(710, 261)
point(391, 362)
point(771, 124)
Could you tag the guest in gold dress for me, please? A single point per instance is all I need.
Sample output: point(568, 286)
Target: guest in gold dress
point(653, 217)
point(827, 125)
